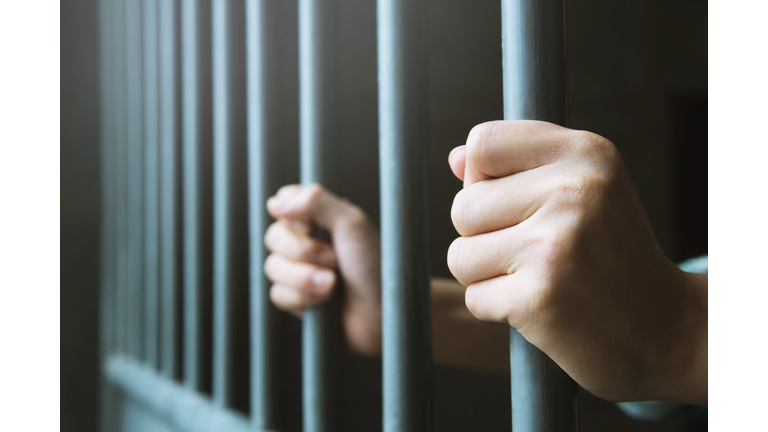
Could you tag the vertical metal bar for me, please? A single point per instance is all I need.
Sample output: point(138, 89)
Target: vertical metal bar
point(262, 59)
point(229, 202)
point(196, 131)
point(321, 325)
point(106, 130)
point(121, 177)
point(135, 136)
point(535, 88)
point(151, 182)
point(169, 187)
point(403, 159)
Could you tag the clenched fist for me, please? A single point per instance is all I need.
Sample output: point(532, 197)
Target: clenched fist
point(556, 242)
point(303, 268)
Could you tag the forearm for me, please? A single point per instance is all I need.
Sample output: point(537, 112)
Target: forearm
point(461, 340)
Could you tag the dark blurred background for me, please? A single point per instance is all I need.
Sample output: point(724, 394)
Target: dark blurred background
point(637, 75)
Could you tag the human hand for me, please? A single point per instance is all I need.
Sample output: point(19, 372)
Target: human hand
point(302, 268)
point(556, 242)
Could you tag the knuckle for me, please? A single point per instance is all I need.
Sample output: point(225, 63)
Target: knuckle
point(596, 146)
point(480, 137)
point(575, 188)
point(287, 189)
point(305, 250)
point(313, 192)
point(355, 217)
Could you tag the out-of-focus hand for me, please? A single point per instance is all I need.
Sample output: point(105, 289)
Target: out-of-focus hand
point(556, 242)
point(303, 268)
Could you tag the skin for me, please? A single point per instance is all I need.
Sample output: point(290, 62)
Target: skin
point(554, 242)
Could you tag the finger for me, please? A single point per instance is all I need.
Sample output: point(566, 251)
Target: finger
point(281, 239)
point(502, 148)
point(309, 278)
point(298, 227)
point(293, 300)
point(457, 159)
point(313, 203)
point(484, 256)
point(507, 298)
point(496, 204)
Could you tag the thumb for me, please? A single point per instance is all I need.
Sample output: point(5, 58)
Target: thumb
point(457, 159)
point(314, 203)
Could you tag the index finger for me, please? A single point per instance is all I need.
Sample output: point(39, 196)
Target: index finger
point(502, 148)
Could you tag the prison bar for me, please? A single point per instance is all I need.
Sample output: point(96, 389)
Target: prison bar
point(117, 24)
point(175, 404)
point(134, 136)
point(262, 56)
point(230, 225)
point(405, 260)
point(108, 245)
point(321, 325)
point(535, 88)
point(151, 181)
point(170, 195)
point(153, 112)
point(197, 195)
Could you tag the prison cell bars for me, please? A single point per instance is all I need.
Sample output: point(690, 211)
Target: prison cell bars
point(151, 180)
point(169, 136)
point(535, 88)
point(403, 170)
point(321, 325)
point(263, 120)
point(141, 86)
point(196, 168)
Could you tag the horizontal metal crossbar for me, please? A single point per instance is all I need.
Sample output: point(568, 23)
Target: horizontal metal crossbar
point(185, 410)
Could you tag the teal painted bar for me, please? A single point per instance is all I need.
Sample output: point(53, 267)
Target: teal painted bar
point(169, 184)
point(404, 187)
point(263, 58)
point(230, 200)
point(544, 398)
point(321, 325)
point(151, 181)
point(134, 145)
point(197, 194)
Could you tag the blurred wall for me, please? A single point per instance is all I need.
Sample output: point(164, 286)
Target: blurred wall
point(637, 75)
point(80, 201)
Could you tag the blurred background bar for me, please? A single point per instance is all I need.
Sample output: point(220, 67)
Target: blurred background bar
point(151, 182)
point(135, 143)
point(263, 140)
point(404, 187)
point(108, 252)
point(535, 88)
point(117, 25)
point(318, 118)
point(197, 193)
point(230, 200)
point(170, 186)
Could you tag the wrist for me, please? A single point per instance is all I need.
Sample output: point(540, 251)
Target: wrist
point(686, 380)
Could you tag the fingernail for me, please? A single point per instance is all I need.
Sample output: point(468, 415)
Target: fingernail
point(453, 151)
point(322, 281)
